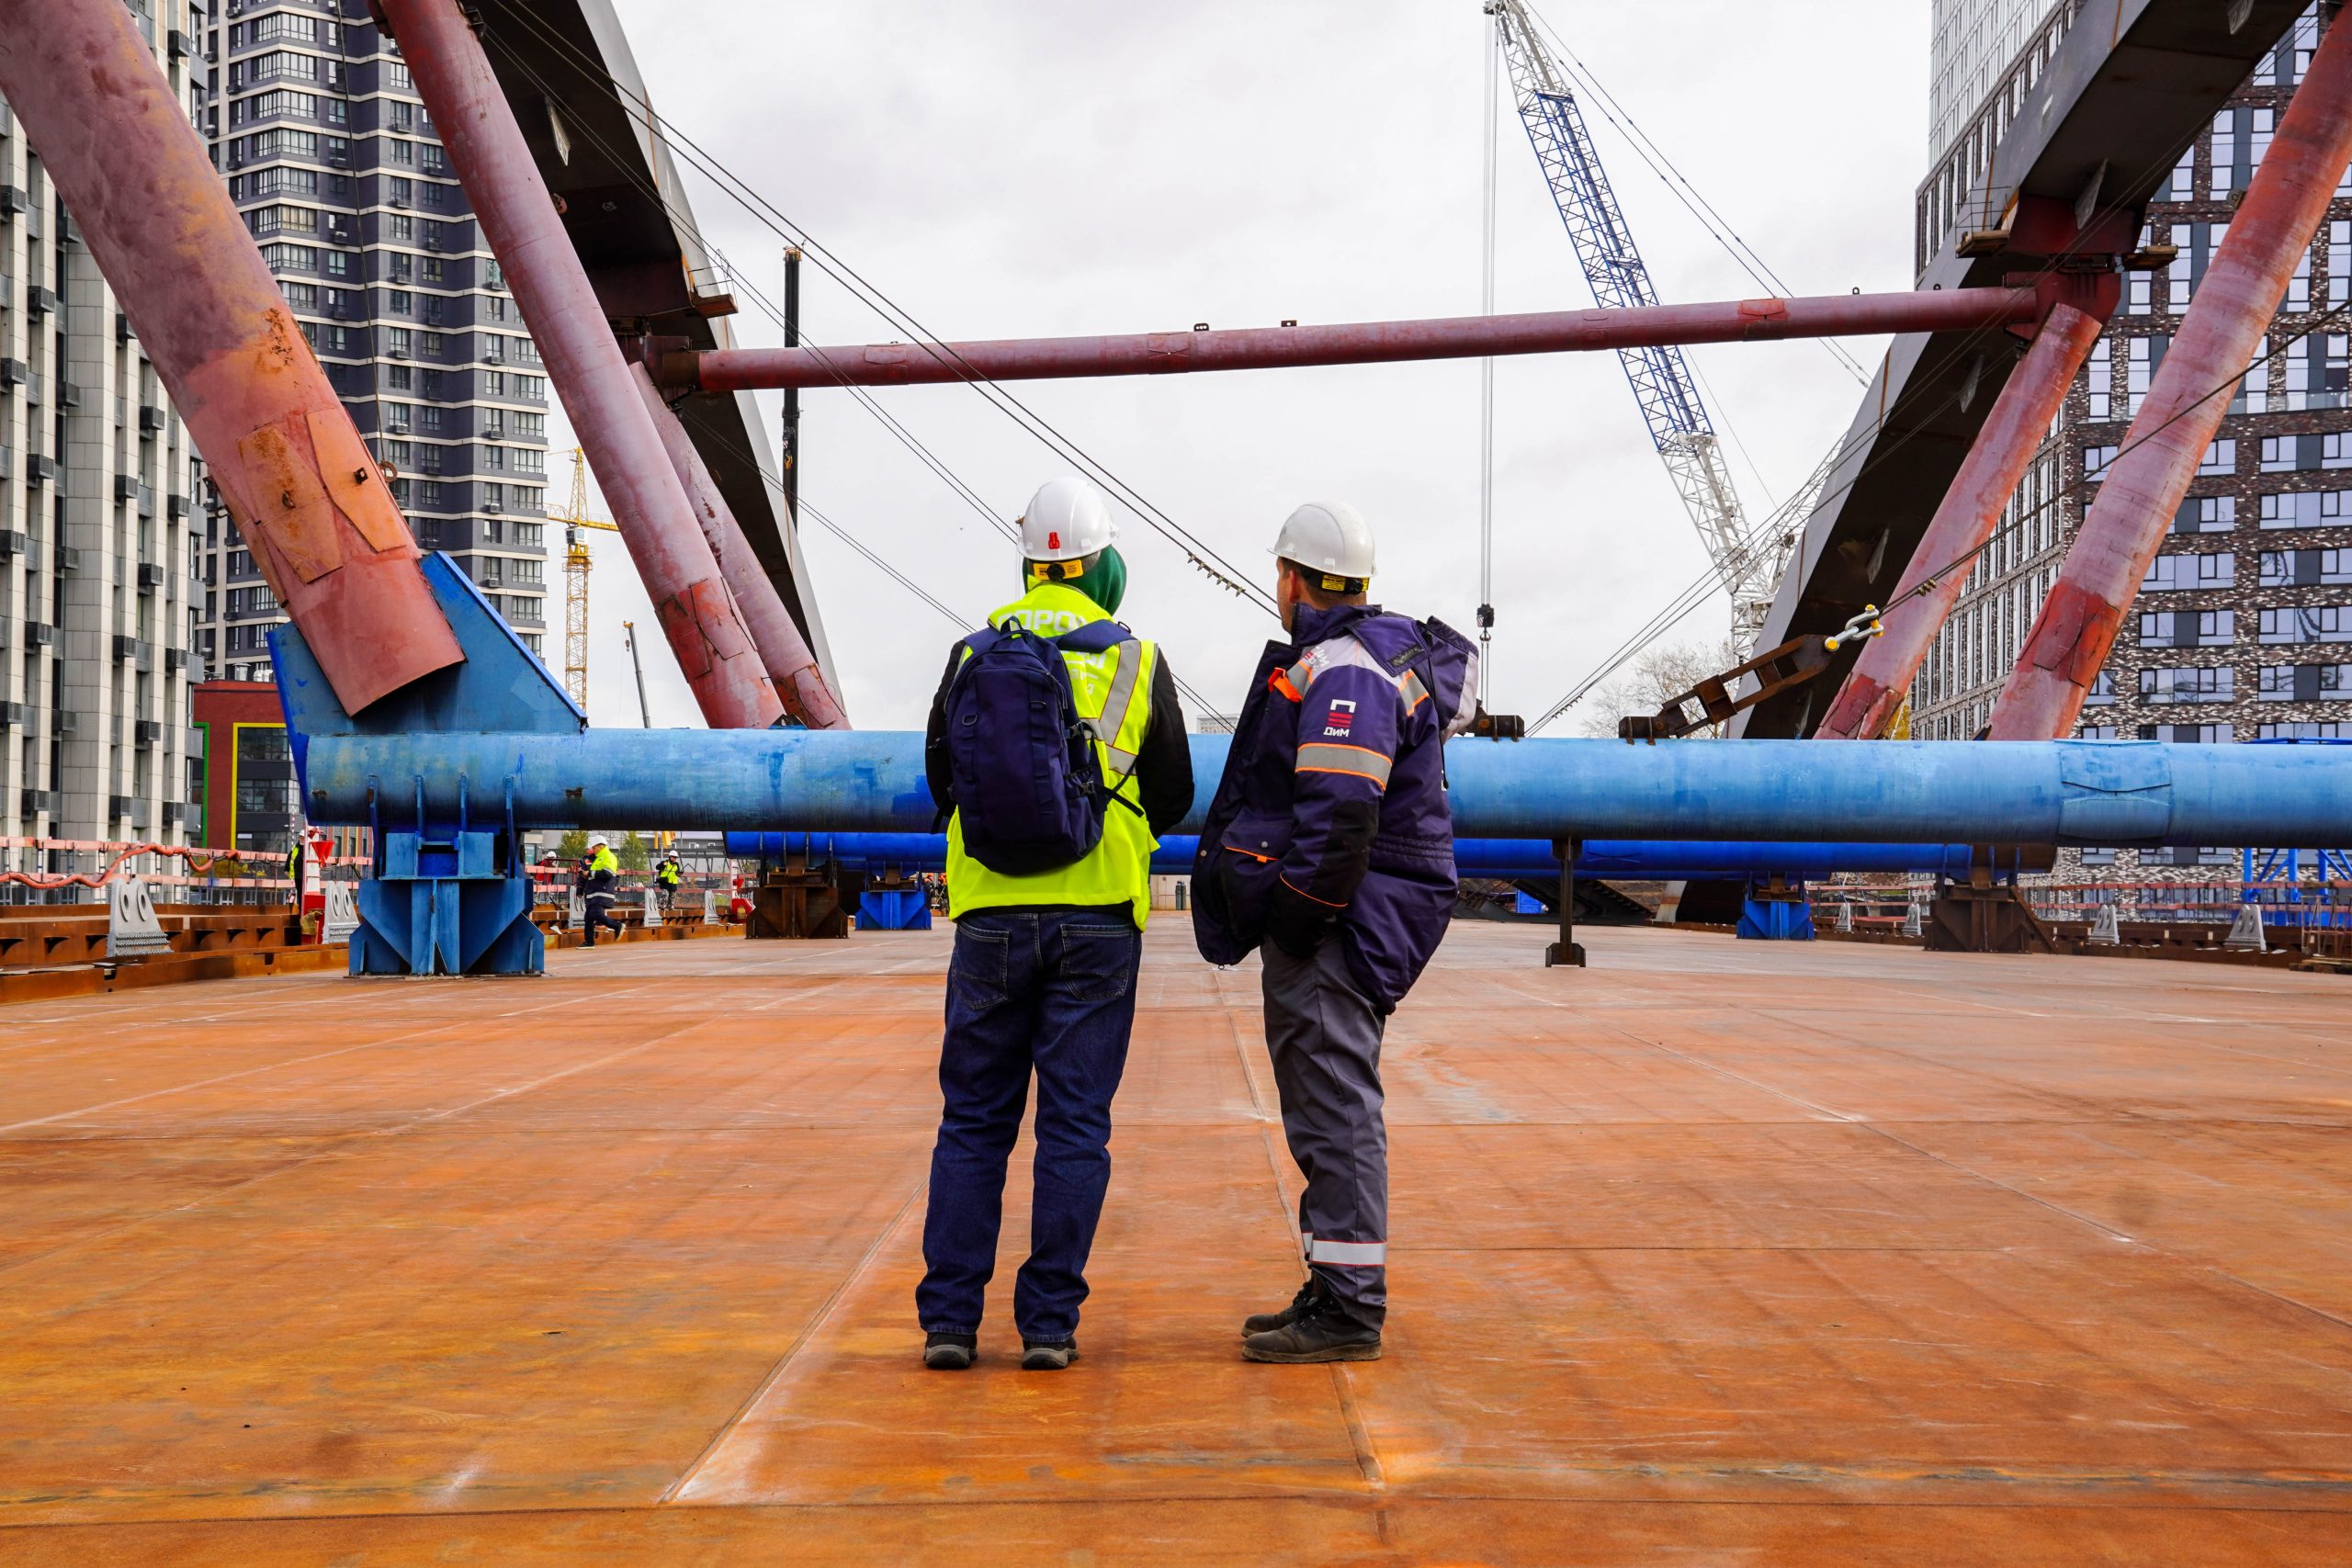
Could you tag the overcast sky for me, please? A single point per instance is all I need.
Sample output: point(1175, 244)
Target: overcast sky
point(1018, 167)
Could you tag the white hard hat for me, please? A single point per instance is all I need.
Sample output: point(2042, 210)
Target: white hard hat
point(1330, 537)
point(600, 842)
point(1067, 519)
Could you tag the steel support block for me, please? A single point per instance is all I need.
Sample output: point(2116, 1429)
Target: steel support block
point(1775, 910)
point(446, 905)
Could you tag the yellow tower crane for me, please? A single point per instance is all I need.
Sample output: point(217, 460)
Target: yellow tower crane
point(576, 563)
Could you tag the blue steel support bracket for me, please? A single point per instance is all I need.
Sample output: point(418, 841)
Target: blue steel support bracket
point(448, 895)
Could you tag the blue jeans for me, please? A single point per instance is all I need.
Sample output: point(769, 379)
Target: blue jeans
point(1053, 990)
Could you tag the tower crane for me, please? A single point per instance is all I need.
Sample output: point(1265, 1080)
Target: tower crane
point(576, 563)
point(1749, 569)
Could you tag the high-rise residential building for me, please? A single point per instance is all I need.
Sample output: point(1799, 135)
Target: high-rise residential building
point(331, 158)
point(2243, 629)
point(1974, 44)
point(95, 482)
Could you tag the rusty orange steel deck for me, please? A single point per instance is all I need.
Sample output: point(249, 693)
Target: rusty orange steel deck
point(1716, 1252)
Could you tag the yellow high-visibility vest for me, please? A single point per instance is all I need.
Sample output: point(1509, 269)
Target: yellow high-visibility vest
point(1118, 870)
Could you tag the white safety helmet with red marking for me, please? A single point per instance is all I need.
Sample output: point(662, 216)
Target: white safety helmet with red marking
point(1331, 539)
point(1068, 519)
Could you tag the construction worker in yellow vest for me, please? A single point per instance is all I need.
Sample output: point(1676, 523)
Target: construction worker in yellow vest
point(1057, 751)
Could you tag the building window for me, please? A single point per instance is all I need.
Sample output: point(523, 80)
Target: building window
point(2102, 379)
point(2096, 460)
point(2207, 514)
point(2188, 628)
point(2307, 509)
point(2307, 623)
point(2306, 569)
point(2220, 457)
point(2305, 682)
point(2146, 353)
point(2306, 731)
point(2102, 692)
point(2218, 569)
point(2194, 683)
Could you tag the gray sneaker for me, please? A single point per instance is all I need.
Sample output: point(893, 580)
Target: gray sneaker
point(949, 1352)
point(1048, 1355)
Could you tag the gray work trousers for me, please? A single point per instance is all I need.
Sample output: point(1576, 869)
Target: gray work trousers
point(1323, 1034)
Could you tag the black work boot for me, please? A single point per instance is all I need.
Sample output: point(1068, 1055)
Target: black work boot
point(1321, 1332)
point(1267, 1322)
point(1047, 1355)
point(949, 1352)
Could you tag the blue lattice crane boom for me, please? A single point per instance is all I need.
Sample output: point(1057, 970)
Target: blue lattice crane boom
point(1747, 569)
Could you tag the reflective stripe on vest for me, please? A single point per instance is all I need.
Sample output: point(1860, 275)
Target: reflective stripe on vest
point(1108, 724)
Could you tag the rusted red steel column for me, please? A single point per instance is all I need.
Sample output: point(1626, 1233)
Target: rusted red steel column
point(783, 651)
point(307, 499)
point(519, 220)
point(2014, 428)
point(2269, 233)
point(1359, 343)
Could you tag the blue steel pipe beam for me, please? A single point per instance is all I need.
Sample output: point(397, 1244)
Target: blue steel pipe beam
point(2063, 792)
point(1632, 860)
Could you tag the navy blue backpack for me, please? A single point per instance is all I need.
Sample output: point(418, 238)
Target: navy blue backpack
point(1027, 785)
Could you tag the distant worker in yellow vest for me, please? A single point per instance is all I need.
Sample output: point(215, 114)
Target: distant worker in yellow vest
point(666, 877)
point(604, 875)
point(1058, 753)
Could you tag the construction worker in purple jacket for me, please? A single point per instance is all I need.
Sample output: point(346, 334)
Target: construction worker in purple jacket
point(1330, 845)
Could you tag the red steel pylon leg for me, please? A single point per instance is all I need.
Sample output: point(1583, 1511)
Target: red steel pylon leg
point(307, 496)
point(783, 651)
point(2270, 233)
point(2014, 426)
point(519, 220)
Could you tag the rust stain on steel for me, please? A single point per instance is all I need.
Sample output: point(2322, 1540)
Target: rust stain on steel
point(2270, 234)
point(158, 222)
point(291, 511)
point(1760, 318)
point(617, 1278)
point(356, 483)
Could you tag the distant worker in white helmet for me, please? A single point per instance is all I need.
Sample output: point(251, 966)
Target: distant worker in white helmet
point(1329, 844)
point(604, 875)
point(1056, 753)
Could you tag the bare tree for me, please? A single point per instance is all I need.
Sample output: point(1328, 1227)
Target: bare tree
point(1655, 674)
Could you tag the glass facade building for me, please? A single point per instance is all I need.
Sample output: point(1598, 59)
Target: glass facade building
point(332, 159)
